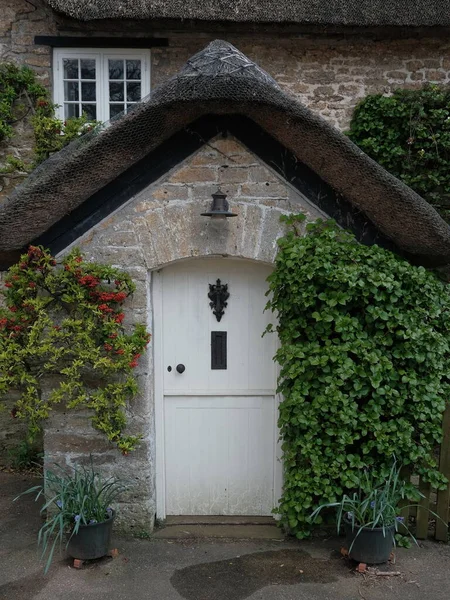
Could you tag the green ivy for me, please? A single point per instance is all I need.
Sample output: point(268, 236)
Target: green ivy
point(19, 93)
point(365, 362)
point(20, 96)
point(408, 133)
point(66, 320)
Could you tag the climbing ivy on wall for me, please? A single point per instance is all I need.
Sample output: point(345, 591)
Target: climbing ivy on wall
point(62, 340)
point(365, 363)
point(21, 97)
point(408, 133)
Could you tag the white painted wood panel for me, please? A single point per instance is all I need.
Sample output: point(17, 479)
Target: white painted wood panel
point(217, 433)
point(219, 455)
point(188, 322)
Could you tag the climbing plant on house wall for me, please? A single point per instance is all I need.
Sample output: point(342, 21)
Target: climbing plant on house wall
point(21, 97)
point(408, 133)
point(365, 363)
point(62, 340)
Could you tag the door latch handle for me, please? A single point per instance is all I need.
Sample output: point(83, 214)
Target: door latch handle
point(181, 368)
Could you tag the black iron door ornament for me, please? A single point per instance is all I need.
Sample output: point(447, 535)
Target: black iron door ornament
point(218, 294)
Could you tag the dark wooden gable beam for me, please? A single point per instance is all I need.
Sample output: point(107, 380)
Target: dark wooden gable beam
point(62, 41)
point(182, 145)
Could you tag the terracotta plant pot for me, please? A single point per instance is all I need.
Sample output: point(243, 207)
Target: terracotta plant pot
point(91, 541)
point(370, 546)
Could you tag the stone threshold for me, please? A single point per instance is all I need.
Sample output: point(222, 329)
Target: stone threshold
point(219, 527)
point(217, 520)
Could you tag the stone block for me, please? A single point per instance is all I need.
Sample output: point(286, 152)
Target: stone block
point(435, 75)
point(233, 174)
point(265, 189)
point(188, 174)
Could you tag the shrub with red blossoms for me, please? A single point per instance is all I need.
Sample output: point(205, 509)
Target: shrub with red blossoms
point(68, 321)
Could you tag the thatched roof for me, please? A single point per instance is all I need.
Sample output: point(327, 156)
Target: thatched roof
point(412, 13)
point(222, 81)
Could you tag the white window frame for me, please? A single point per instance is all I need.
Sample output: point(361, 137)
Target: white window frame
point(101, 56)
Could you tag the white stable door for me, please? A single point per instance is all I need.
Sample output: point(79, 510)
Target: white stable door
point(217, 438)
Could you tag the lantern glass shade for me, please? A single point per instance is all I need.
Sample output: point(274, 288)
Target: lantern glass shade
point(219, 207)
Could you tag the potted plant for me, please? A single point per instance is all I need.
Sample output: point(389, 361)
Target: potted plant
point(371, 516)
point(78, 505)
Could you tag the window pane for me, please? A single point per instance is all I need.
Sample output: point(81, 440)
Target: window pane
point(133, 69)
point(115, 69)
point(133, 92)
point(71, 110)
point(70, 66)
point(88, 91)
point(71, 90)
point(87, 68)
point(90, 110)
point(116, 92)
point(115, 109)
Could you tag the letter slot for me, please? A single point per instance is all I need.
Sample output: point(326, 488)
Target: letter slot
point(218, 349)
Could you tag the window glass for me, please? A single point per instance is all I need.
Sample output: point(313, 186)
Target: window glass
point(99, 83)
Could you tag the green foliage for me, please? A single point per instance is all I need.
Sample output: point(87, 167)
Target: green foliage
point(402, 541)
point(66, 321)
point(21, 94)
point(52, 134)
point(376, 504)
point(408, 133)
point(73, 498)
point(364, 356)
point(25, 455)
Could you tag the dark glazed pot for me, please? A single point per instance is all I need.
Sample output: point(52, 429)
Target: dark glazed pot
point(91, 541)
point(370, 546)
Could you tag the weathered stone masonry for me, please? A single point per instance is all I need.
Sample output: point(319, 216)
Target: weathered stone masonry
point(329, 73)
point(160, 225)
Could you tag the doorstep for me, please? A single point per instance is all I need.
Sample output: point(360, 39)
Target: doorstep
point(237, 528)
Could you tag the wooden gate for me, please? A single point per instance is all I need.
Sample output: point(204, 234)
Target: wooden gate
point(437, 501)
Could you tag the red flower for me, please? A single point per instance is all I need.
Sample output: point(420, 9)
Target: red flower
point(106, 296)
point(13, 308)
point(113, 336)
point(120, 297)
point(105, 308)
point(108, 347)
point(120, 351)
point(117, 282)
point(89, 281)
point(57, 328)
point(3, 322)
point(23, 265)
point(78, 259)
point(53, 262)
point(119, 318)
point(133, 364)
point(32, 284)
point(8, 284)
point(17, 328)
point(67, 268)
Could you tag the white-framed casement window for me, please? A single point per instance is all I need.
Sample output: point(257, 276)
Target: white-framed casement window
point(100, 83)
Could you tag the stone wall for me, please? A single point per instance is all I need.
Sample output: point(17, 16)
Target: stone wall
point(329, 73)
point(160, 225)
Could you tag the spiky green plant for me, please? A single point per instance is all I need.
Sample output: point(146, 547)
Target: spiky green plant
point(73, 497)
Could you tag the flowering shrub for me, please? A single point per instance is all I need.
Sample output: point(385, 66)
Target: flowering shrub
point(67, 320)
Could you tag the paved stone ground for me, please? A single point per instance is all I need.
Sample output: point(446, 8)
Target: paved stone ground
point(205, 569)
